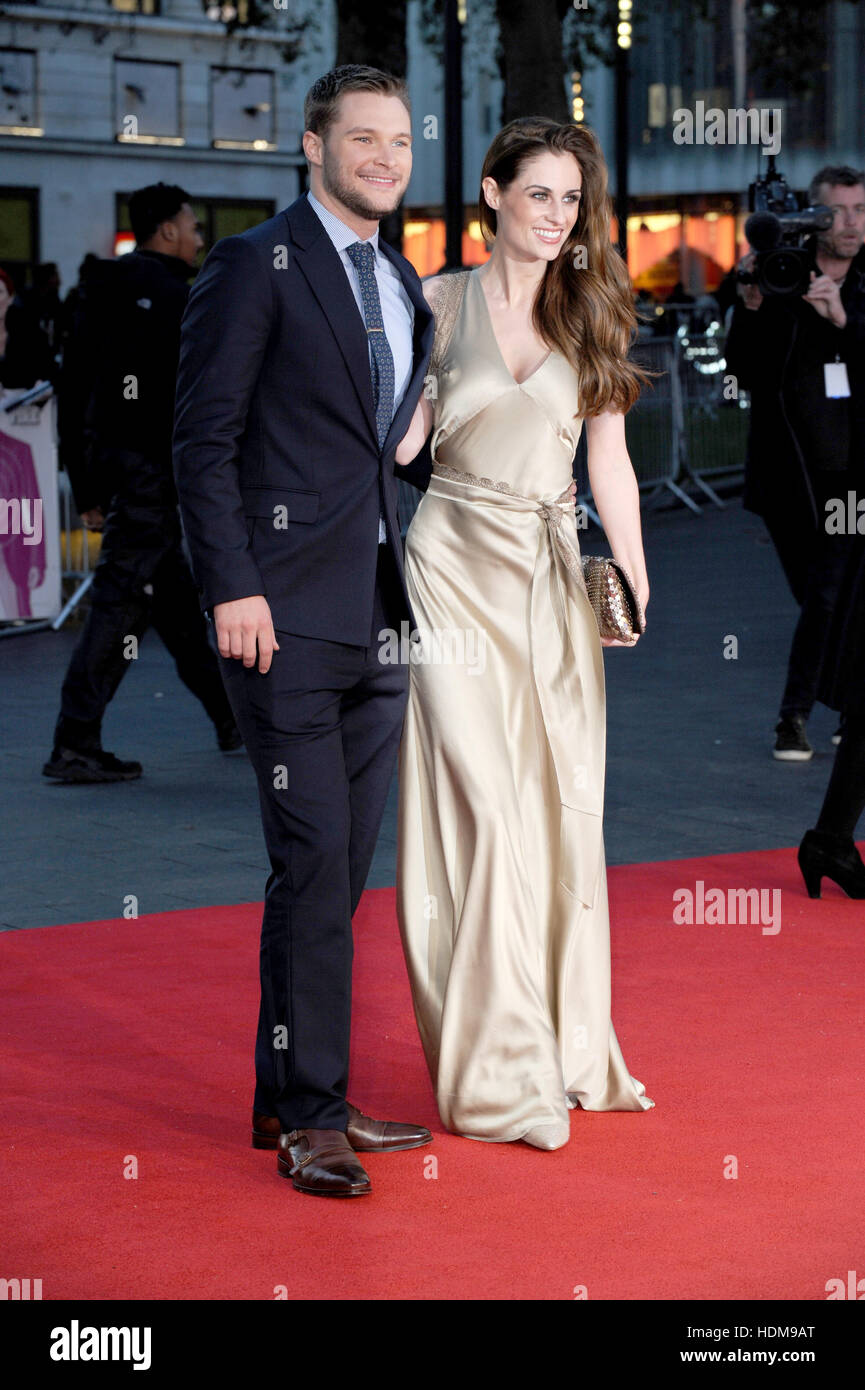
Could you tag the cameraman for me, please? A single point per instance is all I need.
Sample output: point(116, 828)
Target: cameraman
point(807, 441)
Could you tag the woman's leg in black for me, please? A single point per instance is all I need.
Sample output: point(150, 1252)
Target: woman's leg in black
point(845, 795)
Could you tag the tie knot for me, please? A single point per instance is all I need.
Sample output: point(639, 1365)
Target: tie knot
point(361, 254)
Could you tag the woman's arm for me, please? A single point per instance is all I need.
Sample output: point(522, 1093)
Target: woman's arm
point(415, 436)
point(616, 495)
point(422, 421)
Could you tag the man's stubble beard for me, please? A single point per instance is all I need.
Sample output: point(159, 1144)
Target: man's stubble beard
point(349, 196)
point(830, 247)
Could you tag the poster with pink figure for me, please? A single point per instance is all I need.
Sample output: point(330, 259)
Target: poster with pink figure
point(29, 522)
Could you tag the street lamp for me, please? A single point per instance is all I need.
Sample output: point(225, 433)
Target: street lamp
point(577, 106)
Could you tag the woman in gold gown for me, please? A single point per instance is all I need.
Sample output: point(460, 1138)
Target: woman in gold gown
point(501, 879)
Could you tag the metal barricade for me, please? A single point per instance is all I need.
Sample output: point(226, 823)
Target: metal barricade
point(653, 427)
point(75, 554)
point(715, 414)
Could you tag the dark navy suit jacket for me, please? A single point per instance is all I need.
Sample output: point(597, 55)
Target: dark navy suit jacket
point(279, 472)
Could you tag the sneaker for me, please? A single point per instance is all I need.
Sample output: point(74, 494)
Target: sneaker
point(91, 765)
point(791, 743)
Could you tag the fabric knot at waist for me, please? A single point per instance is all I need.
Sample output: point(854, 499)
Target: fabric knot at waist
point(553, 513)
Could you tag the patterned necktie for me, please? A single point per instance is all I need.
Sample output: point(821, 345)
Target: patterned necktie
point(363, 259)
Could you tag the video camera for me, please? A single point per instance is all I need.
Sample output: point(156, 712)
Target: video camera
point(783, 235)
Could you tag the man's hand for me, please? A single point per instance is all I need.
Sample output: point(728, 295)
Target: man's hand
point(244, 625)
point(751, 295)
point(93, 519)
point(825, 296)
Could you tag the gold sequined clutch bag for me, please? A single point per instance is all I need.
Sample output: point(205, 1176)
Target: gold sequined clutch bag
point(613, 597)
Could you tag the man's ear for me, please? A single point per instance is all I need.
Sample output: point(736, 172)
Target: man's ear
point(311, 144)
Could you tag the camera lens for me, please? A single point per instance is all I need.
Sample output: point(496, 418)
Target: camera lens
point(784, 271)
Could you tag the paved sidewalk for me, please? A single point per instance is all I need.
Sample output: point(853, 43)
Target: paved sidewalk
point(689, 769)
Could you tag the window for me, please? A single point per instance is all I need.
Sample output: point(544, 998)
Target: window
point(147, 102)
point(136, 6)
point(19, 233)
point(18, 92)
point(243, 114)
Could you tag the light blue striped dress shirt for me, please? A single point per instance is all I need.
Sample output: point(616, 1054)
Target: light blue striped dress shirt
point(397, 309)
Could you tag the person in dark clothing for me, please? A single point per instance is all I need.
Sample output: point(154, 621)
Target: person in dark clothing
point(828, 849)
point(43, 304)
point(25, 352)
point(68, 318)
point(122, 367)
point(807, 439)
point(73, 388)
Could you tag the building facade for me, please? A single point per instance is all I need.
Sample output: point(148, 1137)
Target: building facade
point(100, 97)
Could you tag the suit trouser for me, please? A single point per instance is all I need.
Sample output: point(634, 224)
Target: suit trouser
point(814, 563)
point(322, 730)
point(141, 546)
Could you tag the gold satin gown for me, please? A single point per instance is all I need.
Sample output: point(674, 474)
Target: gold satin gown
point(501, 879)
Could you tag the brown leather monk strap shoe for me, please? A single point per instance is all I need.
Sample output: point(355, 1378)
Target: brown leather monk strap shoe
point(322, 1163)
point(364, 1134)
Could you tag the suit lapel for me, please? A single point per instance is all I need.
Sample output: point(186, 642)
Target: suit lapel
point(321, 266)
point(424, 329)
point(325, 273)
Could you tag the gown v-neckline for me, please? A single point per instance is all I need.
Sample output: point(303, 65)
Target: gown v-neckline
point(492, 332)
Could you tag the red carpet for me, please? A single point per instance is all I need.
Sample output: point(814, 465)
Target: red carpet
point(130, 1042)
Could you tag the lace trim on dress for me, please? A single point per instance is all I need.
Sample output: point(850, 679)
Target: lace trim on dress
point(448, 298)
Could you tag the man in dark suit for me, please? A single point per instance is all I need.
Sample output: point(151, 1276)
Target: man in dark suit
point(304, 349)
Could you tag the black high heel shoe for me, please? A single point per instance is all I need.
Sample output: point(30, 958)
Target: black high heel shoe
point(822, 855)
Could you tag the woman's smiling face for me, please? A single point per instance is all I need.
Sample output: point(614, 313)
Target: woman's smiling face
point(536, 213)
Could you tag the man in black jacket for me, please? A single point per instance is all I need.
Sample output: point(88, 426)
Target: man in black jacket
point(121, 374)
point(807, 438)
point(304, 349)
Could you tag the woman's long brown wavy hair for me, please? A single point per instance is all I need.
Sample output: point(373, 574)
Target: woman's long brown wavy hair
point(586, 312)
